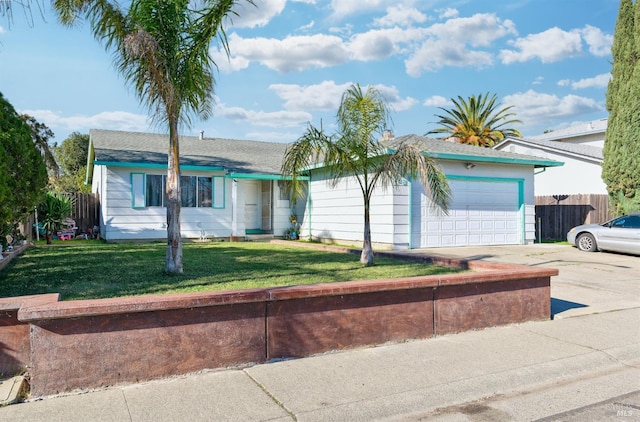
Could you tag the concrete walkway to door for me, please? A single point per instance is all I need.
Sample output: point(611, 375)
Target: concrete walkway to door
point(588, 283)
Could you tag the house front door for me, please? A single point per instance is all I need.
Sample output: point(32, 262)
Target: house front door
point(253, 206)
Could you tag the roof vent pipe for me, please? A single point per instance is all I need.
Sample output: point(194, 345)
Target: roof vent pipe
point(201, 137)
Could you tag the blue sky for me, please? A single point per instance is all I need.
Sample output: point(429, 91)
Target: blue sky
point(291, 60)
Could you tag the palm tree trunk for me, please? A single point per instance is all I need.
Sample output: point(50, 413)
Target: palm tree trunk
point(173, 263)
point(366, 257)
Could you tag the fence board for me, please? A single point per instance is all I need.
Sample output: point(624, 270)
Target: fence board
point(87, 212)
point(557, 214)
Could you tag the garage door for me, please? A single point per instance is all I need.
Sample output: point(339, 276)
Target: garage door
point(481, 213)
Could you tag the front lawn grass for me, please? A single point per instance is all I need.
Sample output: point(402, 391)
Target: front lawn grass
point(90, 269)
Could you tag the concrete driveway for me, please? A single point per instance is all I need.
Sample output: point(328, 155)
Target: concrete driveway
point(588, 283)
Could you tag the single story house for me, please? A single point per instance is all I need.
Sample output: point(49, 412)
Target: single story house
point(228, 187)
point(492, 201)
point(578, 146)
point(233, 188)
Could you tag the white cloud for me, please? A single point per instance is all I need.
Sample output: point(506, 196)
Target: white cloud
point(327, 95)
point(400, 15)
point(534, 108)
point(232, 63)
point(392, 95)
point(556, 44)
point(293, 53)
point(479, 30)
point(323, 96)
point(598, 81)
point(435, 54)
point(1, 29)
point(538, 80)
point(598, 42)
point(276, 119)
point(380, 43)
point(342, 8)
point(307, 26)
point(113, 120)
point(437, 101)
point(260, 14)
point(549, 46)
point(448, 43)
point(447, 13)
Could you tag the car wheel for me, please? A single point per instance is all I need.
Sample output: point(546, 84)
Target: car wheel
point(587, 243)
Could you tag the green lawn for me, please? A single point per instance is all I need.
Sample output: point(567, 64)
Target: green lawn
point(91, 269)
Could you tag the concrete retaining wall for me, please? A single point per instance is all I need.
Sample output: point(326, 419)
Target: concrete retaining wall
point(94, 343)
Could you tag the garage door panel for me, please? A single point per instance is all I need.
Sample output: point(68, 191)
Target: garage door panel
point(481, 213)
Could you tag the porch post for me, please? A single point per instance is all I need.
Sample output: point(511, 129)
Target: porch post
point(234, 208)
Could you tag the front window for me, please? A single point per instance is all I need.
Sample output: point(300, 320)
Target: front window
point(155, 190)
point(204, 192)
point(195, 191)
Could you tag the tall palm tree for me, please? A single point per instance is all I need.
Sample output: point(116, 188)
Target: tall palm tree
point(356, 151)
point(161, 47)
point(477, 121)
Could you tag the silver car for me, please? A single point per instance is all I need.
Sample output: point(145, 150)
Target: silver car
point(621, 234)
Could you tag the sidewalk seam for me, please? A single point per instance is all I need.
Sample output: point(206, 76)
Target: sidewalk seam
point(126, 403)
point(272, 397)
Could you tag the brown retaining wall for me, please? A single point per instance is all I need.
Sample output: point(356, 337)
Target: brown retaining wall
point(93, 343)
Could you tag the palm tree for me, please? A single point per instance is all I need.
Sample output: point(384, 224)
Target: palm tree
point(477, 121)
point(355, 151)
point(161, 48)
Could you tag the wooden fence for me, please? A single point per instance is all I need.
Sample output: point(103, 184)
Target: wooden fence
point(87, 213)
point(557, 214)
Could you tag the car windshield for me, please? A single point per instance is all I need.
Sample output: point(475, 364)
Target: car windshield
point(627, 221)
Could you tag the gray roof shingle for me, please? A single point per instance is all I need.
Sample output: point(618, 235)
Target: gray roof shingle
point(578, 129)
point(453, 150)
point(235, 156)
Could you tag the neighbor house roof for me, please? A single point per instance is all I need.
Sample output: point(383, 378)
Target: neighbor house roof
point(576, 150)
point(437, 148)
point(115, 148)
point(578, 129)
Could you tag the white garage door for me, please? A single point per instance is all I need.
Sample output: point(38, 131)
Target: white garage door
point(481, 213)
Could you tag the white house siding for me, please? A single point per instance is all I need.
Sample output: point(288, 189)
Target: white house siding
point(120, 221)
point(576, 176)
point(338, 213)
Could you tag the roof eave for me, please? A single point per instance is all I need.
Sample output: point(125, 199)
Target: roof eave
point(498, 160)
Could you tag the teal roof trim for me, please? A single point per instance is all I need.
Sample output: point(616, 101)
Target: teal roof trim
point(254, 176)
point(500, 160)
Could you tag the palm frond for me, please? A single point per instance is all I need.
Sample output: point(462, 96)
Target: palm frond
point(477, 121)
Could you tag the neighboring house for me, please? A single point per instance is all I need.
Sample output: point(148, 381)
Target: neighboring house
point(233, 188)
point(579, 147)
point(228, 187)
point(585, 133)
point(492, 203)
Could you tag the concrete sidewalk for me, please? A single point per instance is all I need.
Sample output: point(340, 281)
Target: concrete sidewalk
point(583, 367)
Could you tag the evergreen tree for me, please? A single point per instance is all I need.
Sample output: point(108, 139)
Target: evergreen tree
point(621, 166)
point(72, 157)
point(23, 174)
